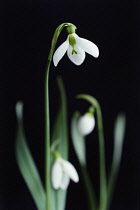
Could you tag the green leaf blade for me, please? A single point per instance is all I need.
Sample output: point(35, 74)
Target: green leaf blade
point(119, 131)
point(27, 166)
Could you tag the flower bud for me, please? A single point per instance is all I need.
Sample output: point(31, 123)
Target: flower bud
point(86, 124)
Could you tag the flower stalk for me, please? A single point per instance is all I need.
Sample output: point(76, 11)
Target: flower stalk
point(103, 184)
point(47, 115)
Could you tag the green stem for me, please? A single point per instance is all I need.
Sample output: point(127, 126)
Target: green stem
point(103, 184)
point(47, 114)
point(88, 186)
point(47, 137)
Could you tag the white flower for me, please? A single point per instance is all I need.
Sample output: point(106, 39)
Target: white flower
point(86, 124)
point(76, 48)
point(62, 172)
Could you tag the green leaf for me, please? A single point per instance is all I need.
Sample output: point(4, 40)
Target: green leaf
point(119, 130)
point(78, 141)
point(27, 166)
point(60, 140)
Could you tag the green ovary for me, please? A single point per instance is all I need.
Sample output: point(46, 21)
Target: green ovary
point(72, 42)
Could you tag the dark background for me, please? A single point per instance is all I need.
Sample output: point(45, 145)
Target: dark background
point(26, 29)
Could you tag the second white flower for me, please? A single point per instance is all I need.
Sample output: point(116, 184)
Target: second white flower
point(62, 172)
point(86, 124)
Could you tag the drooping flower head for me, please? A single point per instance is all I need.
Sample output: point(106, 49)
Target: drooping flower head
point(75, 47)
point(86, 124)
point(62, 172)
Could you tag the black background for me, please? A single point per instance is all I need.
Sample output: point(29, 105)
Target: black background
point(26, 29)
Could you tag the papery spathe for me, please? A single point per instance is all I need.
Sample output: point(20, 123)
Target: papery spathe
point(75, 48)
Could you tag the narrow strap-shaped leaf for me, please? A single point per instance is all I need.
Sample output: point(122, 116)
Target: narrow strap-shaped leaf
point(27, 166)
point(119, 130)
point(60, 134)
point(80, 149)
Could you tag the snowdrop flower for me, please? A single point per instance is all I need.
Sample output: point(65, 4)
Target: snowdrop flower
point(75, 48)
point(62, 172)
point(86, 124)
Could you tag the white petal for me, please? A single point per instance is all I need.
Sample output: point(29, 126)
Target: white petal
point(70, 170)
point(86, 124)
point(88, 46)
point(78, 58)
point(56, 175)
point(59, 53)
point(64, 182)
